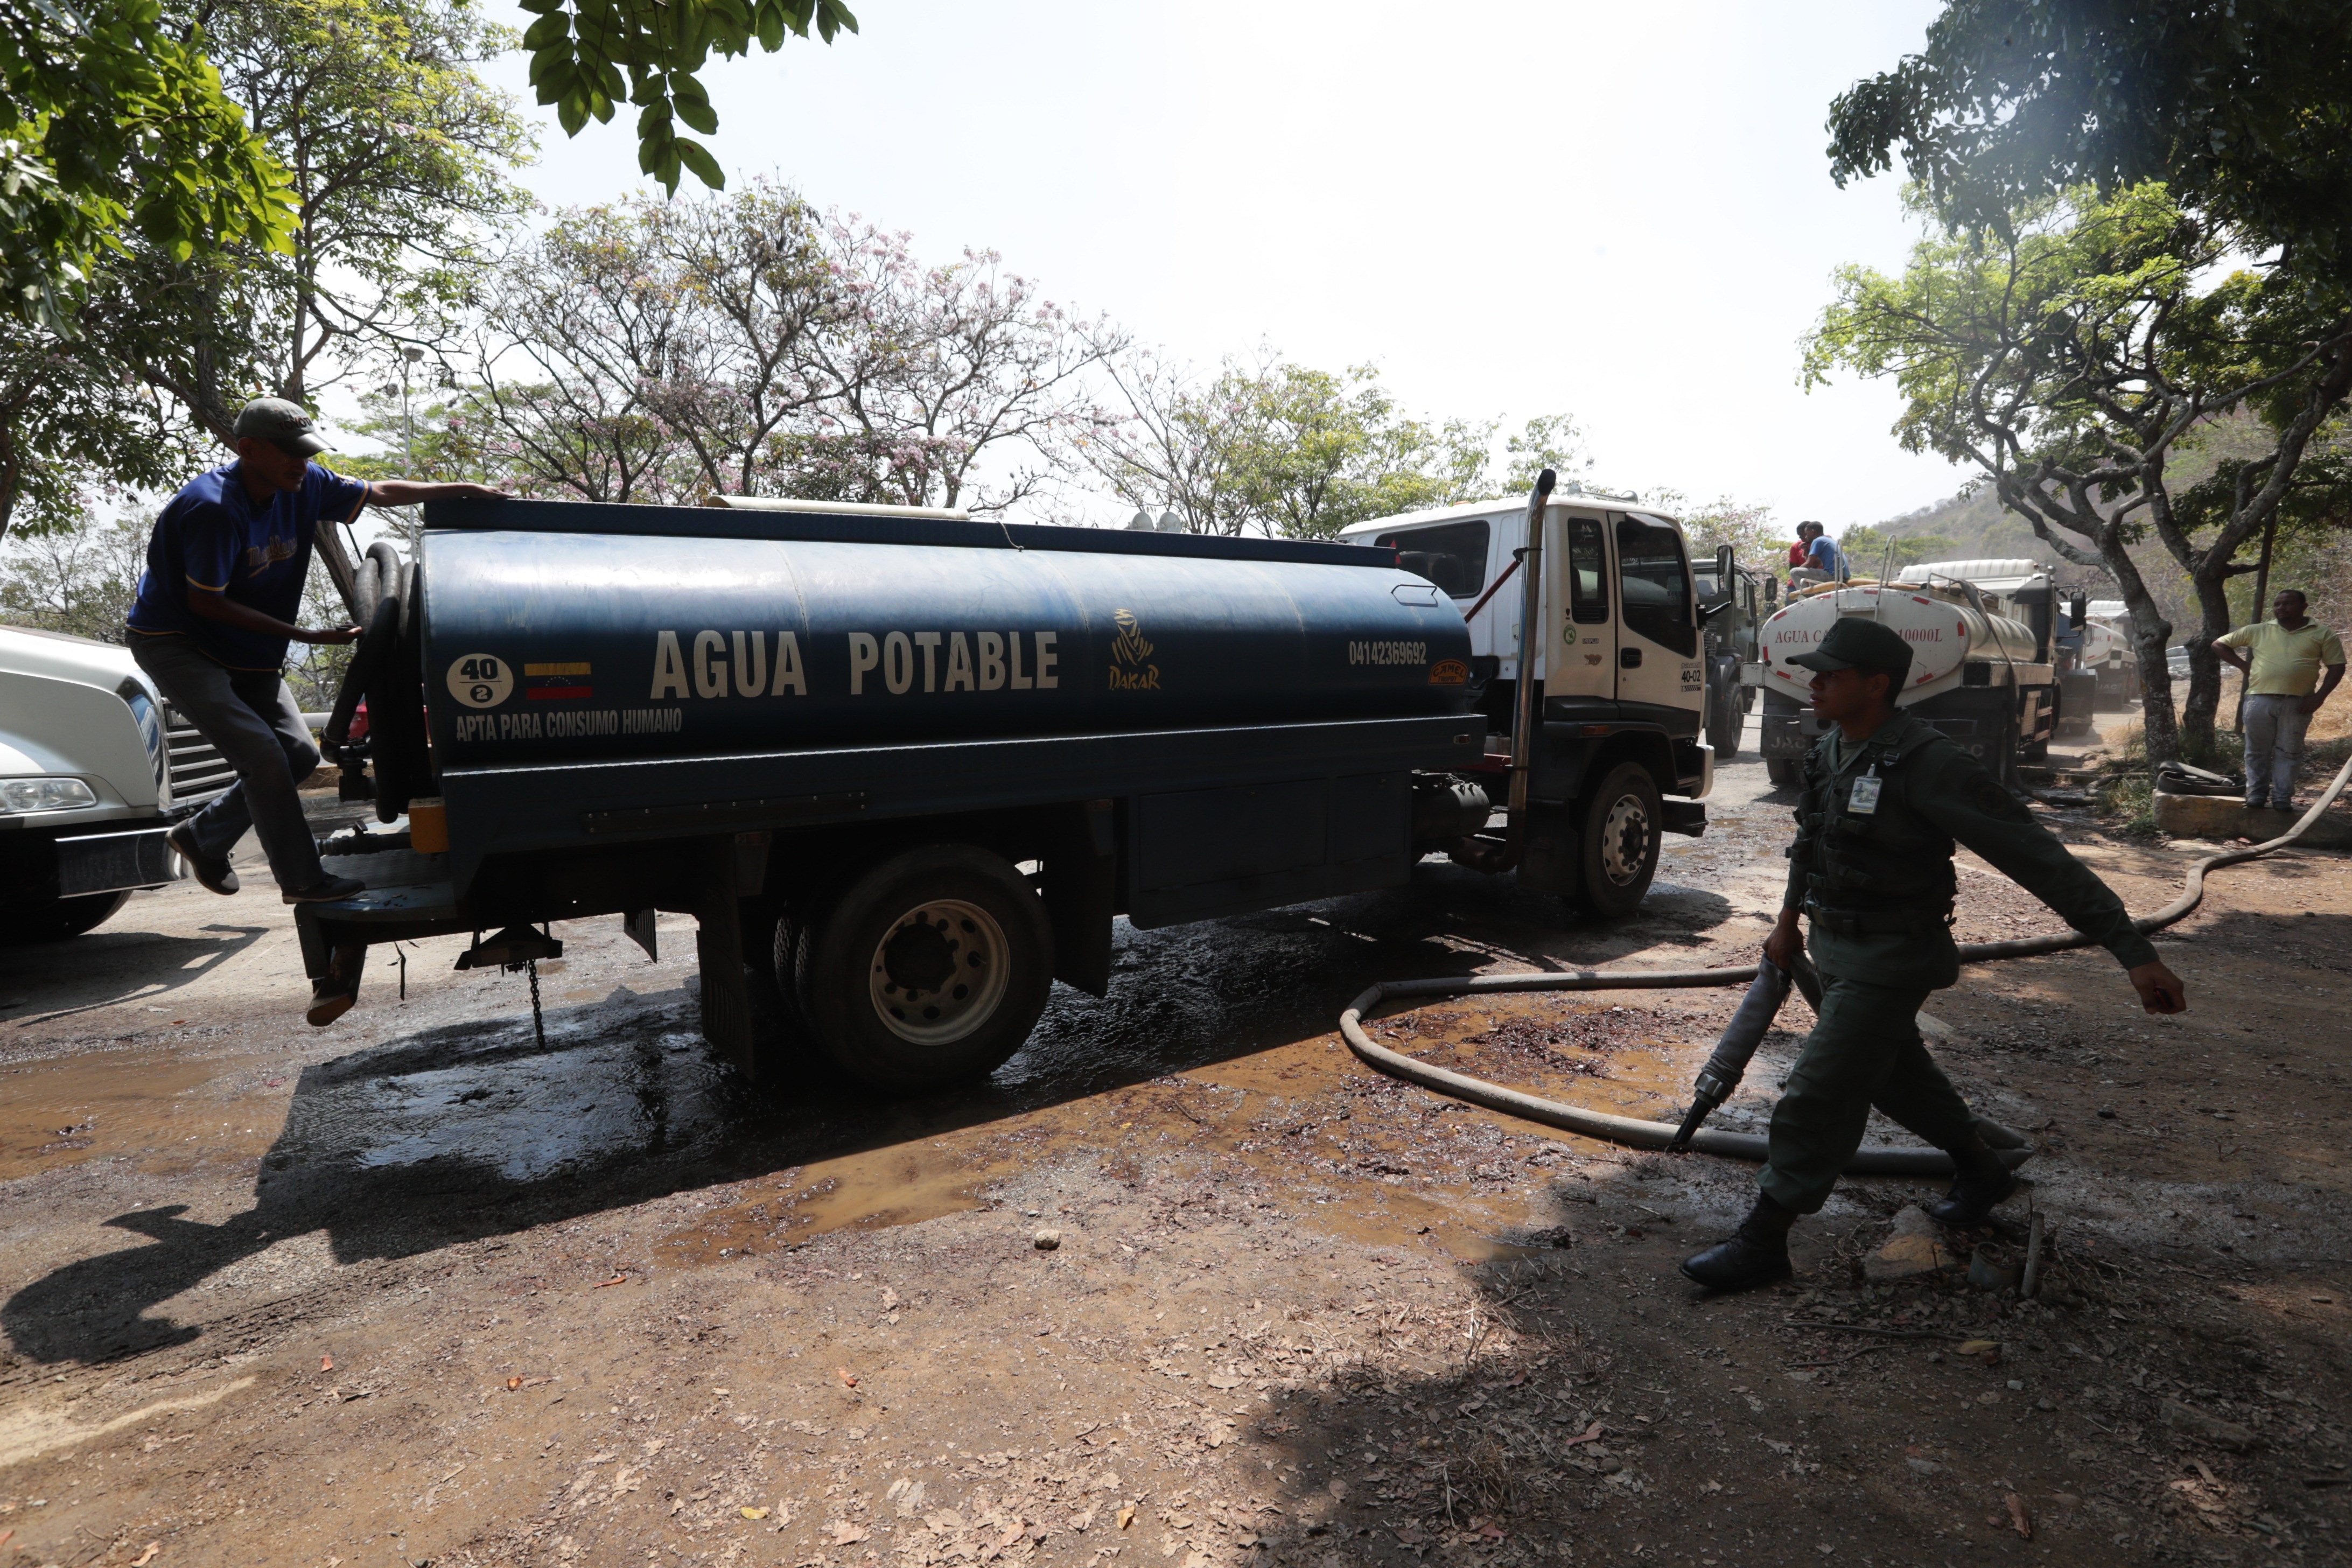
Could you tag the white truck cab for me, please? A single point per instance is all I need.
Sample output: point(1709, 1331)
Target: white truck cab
point(94, 767)
point(1618, 663)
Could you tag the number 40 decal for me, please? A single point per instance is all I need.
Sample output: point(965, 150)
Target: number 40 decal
point(481, 680)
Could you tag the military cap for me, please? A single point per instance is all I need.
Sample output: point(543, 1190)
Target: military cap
point(1857, 642)
point(283, 424)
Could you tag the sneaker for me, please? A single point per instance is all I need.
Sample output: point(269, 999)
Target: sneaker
point(212, 872)
point(325, 890)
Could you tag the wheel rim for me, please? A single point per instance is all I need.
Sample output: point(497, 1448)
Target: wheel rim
point(1624, 840)
point(938, 974)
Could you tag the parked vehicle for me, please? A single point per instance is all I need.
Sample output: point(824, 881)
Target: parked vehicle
point(94, 767)
point(1735, 667)
point(1982, 672)
point(915, 764)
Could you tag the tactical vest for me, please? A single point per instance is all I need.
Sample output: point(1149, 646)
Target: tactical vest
point(1887, 870)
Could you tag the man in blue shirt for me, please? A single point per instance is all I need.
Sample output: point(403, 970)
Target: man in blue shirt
point(216, 606)
point(1822, 553)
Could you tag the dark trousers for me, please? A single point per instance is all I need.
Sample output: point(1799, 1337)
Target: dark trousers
point(252, 720)
point(1865, 1051)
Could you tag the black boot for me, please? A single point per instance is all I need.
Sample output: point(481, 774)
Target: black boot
point(1757, 1254)
point(1974, 1196)
point(1984, 1183)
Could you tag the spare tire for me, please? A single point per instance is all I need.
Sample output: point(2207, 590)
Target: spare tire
point(376, 646)
point(395, 699)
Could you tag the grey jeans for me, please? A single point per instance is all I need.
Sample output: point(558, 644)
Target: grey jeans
point(2275, 730)
point(252, 720)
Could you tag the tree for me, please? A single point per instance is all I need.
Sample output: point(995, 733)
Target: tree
point(2068, 360)
point(399, 154)
point(114, 124)
point(1868, 546)
point(1285, 448)
point(1747, 526)
point(79, 575)
point(745, 344)
point(70, 426)
point(588, 57)
point(2242, 108)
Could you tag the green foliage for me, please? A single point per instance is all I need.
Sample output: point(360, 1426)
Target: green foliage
point(78, 576)
point(588, 57)
point(1289, 449)
point(399, 155)
point(2068, 359)
point(2243, 108)
point(1866, 545)
point(1756, 540)
point(114, 126)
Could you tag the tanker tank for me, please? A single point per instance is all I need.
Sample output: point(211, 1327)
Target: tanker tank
point(1945, 633)
point(569, 640)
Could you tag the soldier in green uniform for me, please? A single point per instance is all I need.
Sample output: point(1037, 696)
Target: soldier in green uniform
point(1886, 799)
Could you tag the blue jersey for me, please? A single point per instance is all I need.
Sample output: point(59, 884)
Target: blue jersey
point(1823, 555)
point(213, 536)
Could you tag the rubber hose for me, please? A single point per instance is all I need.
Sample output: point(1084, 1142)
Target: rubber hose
point(1873, 1160)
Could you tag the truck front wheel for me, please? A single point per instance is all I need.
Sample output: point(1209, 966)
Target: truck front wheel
point(54, 920)
point(1620, 842)
point(928, 971)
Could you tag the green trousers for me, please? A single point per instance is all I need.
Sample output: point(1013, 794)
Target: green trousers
point(1865, 1051)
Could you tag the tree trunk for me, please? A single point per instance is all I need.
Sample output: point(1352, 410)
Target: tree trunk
point(2204, 664)
point(2149, 632)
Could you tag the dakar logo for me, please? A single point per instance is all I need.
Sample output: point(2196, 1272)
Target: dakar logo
point(1130, 668)
point(1449, 672)
point(260, 558)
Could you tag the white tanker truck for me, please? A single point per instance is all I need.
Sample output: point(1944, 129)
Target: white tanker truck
point(2107, 653)
point(1981, 660)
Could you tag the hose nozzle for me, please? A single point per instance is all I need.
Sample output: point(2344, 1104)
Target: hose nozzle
point(1728, 1064)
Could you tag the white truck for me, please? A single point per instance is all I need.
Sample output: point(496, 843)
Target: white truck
point(94, 767)
point(1613, 750)
point(1982, 666)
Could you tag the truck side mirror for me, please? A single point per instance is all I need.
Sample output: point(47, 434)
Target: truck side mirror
point(1724, 564)
point(1771, 590)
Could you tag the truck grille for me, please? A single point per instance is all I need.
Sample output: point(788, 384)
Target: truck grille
point(198, 771)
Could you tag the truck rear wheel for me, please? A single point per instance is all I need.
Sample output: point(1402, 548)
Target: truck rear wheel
point(1725, 719)
point(1783, 772)
point(928, 971)
point(54, 919)
point(1619, 846)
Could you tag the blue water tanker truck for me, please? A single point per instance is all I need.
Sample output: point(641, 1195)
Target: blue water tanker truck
point(911, 763)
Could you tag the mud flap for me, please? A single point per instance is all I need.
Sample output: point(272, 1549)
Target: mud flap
point(1081, 885)
point(731, 870)
point(1550, 863)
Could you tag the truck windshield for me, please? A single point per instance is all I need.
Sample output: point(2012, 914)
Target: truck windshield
point(1655, 585)
point(1451, 555)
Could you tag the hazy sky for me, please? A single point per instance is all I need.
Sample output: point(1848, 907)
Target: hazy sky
point(1619, 211)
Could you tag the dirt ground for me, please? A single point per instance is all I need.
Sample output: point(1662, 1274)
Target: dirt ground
point(417, 1289)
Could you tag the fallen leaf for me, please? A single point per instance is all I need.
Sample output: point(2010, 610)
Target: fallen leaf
point(1126, 1516)
point(148, 1555)
point(326, 1363)
point(513, 1383)
point(2019, 1519)
point(755, 1513)
point(1979, 1347)
point(608, 1284)
point(848, 1378)
point(1590, 1435)
point(845, 1534)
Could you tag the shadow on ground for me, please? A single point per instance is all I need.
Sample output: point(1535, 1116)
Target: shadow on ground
point(473, 1130)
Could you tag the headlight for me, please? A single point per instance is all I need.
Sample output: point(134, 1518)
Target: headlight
point(45, 794)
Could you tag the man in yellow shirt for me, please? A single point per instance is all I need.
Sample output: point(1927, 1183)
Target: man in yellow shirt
point(2282, 673)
